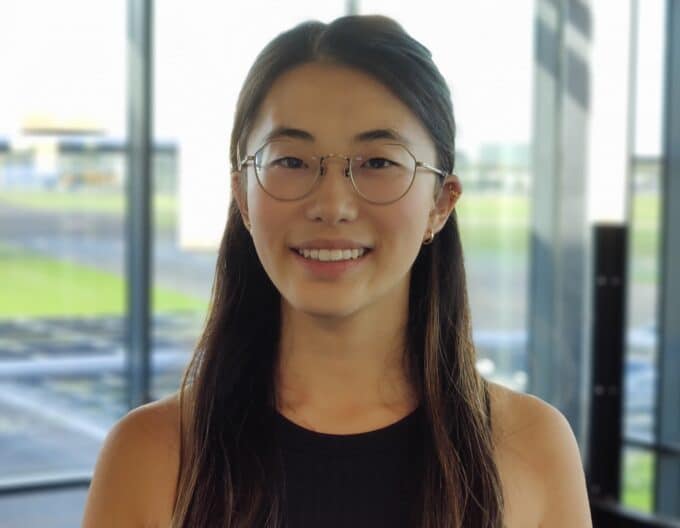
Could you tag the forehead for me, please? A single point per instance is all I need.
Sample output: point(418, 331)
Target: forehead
point(335, 103)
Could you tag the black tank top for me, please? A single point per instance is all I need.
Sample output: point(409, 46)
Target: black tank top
point(369, 479)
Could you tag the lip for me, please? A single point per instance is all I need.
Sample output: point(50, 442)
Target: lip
point(330, 270)
point(327, 243)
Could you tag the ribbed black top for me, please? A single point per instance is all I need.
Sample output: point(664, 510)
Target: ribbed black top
point(368, 479)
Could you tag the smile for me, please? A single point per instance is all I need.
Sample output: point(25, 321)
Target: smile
point(332, 255)
point(331, 269)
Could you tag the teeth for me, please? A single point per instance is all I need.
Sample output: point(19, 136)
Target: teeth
point(327, 255)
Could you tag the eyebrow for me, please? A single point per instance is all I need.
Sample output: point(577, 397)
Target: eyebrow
point(368, 135)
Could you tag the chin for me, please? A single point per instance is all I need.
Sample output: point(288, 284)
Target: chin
point(322, 308)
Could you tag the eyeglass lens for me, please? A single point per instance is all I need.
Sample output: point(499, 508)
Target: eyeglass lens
point(288, 170)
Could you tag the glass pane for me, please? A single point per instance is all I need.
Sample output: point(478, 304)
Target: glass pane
point(643, 274)
point(62, 282)
point(200, 64)
point(643, 258)
point(493, 159)
point(637, 481)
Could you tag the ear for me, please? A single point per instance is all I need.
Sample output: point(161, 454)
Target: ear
point(239, 192)
point(444, 202)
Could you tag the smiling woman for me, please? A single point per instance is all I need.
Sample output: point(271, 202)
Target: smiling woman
point(335, 381)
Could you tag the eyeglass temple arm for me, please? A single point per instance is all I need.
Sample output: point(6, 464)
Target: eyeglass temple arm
point(245, 161)
point(430, 167)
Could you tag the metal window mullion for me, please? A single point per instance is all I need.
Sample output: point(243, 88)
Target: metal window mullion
point(558, 266)
point(610, 242)
point(138, 217)
point(667, 474)
point(45, 483)
point(652, 447)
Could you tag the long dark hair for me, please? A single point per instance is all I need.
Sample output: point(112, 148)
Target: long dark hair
point(230, 473)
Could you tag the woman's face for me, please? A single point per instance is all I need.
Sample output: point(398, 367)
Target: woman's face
point(334, 104)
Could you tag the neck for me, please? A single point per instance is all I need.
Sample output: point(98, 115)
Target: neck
point(343, 365)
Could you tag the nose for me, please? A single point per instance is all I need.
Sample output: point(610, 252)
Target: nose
point(334, 200)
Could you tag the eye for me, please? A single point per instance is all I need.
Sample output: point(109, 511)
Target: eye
point(379, 163)
point(289, 162)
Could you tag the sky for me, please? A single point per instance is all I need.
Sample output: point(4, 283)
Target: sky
point(67, 60)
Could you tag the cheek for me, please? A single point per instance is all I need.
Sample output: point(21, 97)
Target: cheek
point(268, 219)
point(266, 213)
point(401, 233)
point(408, 221)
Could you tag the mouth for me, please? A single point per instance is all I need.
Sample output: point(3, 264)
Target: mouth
point(332, 269)
point(330, 256)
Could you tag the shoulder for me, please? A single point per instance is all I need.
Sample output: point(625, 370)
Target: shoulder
point(539, 434)
point(519, 412)
point(136, 468)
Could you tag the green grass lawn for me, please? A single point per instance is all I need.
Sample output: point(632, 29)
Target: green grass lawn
point(494, 224)
point(36, 286)
point(637, 480)
point(67, 201)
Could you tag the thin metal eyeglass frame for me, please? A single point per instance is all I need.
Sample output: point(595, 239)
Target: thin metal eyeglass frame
point(348, 172)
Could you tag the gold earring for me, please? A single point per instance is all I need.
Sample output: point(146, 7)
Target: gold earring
point(430, 238)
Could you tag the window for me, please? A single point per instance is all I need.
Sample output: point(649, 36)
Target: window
point(62, 203)
point(492, 95)
point(197, 84)
point(644, 247)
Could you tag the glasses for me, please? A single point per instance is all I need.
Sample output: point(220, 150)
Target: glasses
point(382, 173)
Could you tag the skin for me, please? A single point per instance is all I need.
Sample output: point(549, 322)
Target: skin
point(339, 368)
point(342, 339)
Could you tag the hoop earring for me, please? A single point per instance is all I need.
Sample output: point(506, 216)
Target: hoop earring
point(429, 239)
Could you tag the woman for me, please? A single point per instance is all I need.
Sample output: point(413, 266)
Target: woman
point(335, 381)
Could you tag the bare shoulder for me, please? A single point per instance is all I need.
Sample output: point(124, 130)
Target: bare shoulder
point(517, 412)
point(136, 470)
point(540, 439)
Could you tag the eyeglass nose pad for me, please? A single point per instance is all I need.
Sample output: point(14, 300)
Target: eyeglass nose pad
point(322, 167)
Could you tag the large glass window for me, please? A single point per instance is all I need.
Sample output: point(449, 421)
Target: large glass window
point(63, 151)
point(643, 273)
point(492, 95)
point(62, 201)
point(201, 60)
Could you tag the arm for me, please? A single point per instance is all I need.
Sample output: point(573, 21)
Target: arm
point(566, 498)
point(120, 485)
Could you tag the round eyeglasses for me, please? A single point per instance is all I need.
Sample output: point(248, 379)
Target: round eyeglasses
point(382, 173)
